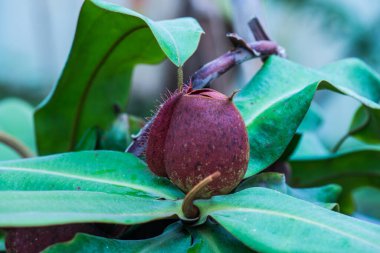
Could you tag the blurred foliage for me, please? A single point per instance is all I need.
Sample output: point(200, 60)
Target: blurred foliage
point(16, 120)
point(2, 241)
point(120, 135)
point(354, 22)
point(367, 201)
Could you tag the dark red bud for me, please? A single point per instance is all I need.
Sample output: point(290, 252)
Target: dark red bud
point(196, 134)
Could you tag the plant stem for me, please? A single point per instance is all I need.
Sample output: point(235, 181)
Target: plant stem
point(16, 145)
point(257, 29)
point(188, 208)
point(214, 69)
point(180, 78)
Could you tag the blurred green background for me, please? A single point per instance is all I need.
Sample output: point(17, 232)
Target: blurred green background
point(36, 37)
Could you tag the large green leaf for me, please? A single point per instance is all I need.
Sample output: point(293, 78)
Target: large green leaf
point(310, 145)
point(106, 171)
point(88, 141)
point(211, 237)
point(276, 100)
point(325, 196)
point(43, 208)
point(174, 239)
point(312, 120)
point(109, 41)
point(365, 125)
point(16, 120)
point(269, 221)
point(355, 165)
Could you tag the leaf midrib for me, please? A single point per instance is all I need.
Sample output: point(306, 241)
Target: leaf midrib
point(174, 43)
point(77, 214)
point(91, 80)
point(90, 179)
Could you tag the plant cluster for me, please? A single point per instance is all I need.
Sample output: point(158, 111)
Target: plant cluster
point(246, 172)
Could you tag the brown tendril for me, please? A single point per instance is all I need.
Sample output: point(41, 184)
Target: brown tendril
point(188, 208)
point(233, 94)
point(15, 144)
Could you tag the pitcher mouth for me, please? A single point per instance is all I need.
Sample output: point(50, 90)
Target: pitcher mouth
point(207, 93)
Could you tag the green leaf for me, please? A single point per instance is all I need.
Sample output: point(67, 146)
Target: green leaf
point(119, 136)
point(354, 166)
point(271, 130)
point(269, 221)
point(174, 239)
point(2, 241)
point(43, 208)
point(313, 119)
point(275, 101)
point(365, 125)
point(367, 202)
point(290, 149)
point(324, 196)
point(88, 141)
point(310, 145)
point(109, 41)
point(211, 237)
point(106, 171)
point(16, 120)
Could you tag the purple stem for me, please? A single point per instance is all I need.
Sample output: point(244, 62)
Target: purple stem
point(214, 69)
point(257, 29)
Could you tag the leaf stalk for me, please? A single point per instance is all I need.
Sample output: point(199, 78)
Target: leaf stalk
point(188, 208)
